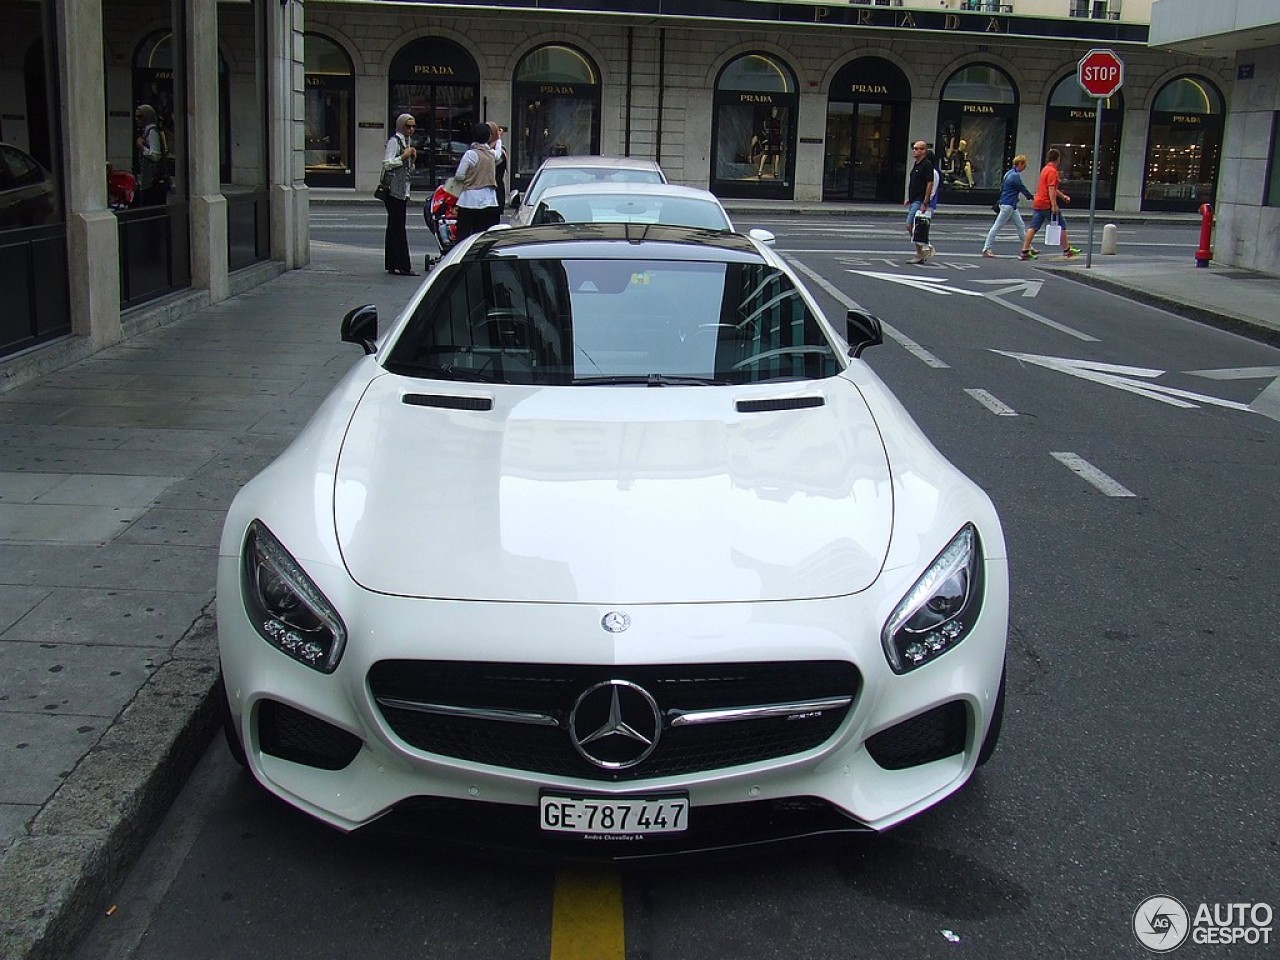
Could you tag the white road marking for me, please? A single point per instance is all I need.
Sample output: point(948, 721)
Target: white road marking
point(1028, 288)
point(998, 407)
point(936, 285)
point(890, 331)
point(1086, 470)
point(1121, 377)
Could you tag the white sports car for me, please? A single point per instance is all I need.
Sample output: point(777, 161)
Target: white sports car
point(612, 541)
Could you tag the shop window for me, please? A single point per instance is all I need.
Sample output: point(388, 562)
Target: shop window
point(976, 122)
point(1069, 128)
point(330, 125)
point(556, 93)
point(1184, 146)
point(438, 82)
point(754, 128)
point(865, 146)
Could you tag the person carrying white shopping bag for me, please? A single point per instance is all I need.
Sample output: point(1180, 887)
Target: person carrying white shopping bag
point(1045, 209)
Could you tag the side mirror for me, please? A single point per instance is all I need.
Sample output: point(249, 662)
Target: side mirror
point(515, 199)
point(862, 330)
point(361, 326)
point(763, 236)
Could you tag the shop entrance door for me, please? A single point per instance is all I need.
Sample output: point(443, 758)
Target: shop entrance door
point(864, 154)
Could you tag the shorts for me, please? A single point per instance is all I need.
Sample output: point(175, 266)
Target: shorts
point(1040, 217)
point(912, 211)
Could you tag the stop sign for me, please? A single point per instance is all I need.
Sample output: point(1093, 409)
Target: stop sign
point(1100, 73)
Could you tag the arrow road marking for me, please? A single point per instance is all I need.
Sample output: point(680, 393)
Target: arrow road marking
point(1267, 402)
point(935, 285)
point(890, 331)
point(1122, 378)
point(1028, 288)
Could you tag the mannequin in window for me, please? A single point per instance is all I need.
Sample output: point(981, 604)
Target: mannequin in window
point(959, 169)
point(770, 144)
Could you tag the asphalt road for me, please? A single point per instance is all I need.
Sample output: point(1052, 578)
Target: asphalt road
point(1139, 752)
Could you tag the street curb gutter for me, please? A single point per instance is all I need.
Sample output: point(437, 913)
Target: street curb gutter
point(1213, 318)
point(54, 878)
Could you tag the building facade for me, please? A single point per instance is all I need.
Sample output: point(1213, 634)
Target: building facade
point(1247, 32)
point(158, 153)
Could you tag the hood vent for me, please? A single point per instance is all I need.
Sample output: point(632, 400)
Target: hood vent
point(779, 403)
point(448, 403)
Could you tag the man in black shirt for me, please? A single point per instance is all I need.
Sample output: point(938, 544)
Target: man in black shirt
point(919, 189)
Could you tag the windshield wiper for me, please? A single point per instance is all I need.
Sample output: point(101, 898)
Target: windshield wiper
point(649, 380)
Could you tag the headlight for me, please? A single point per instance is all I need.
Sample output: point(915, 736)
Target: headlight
point(285, 607)
point(940, 610)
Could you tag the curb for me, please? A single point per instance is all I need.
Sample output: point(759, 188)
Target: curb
point(1212, 318)
point(54, 878)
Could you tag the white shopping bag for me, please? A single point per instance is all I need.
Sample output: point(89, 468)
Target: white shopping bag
point(1053, 234)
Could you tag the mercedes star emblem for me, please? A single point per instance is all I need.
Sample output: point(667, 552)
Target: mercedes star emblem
point(615, 621)
point(615, 724)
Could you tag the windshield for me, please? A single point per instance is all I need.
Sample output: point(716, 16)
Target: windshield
point(563, 176)
point(585, 322)
point(631, 208)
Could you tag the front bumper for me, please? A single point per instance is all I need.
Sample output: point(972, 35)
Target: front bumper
point(324, 744)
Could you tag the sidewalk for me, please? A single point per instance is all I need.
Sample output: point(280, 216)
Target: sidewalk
point(115, 476)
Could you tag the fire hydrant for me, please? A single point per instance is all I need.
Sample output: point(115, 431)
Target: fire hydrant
point(1204, 254)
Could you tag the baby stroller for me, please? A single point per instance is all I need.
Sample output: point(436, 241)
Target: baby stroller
point(121, 187)
point(442, 219)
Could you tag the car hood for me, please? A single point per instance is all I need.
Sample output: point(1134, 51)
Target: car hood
point(612, 495)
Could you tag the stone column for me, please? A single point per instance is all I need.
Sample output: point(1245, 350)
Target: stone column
point(286, 112)
point(209, 258)
point(93, 240)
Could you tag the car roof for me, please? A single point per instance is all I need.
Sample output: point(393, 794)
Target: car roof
point(593, 160)
point(596, 188)
point(636, 241)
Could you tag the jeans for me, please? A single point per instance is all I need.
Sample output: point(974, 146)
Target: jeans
point(1007, 212)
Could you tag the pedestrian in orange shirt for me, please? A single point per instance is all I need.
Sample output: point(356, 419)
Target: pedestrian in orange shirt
point(1045, 208)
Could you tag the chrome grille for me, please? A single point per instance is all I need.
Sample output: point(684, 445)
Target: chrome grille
point(516, 715)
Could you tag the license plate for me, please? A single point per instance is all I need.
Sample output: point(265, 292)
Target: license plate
point(614, 816)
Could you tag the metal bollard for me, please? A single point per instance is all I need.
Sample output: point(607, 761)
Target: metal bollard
point(1205, 254)
point(1109, 232)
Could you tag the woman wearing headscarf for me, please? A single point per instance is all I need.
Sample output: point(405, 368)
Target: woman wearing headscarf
point(397, 163)
point(500, 169)
point(477, 207)
point(152, 184)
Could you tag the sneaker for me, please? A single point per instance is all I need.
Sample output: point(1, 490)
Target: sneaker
point(1034, 252)
point(1070, 252)
point(1026, 255)
point(928, 253)
point(987, 253)
point(916, 260)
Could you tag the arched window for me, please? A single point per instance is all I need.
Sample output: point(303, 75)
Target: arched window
point(753, 128)
point(330, 124)
point(556, 93)
point(438, 82)
point(868, 112)
point(1184, 145)
point(976, 122)
point(1069, 128)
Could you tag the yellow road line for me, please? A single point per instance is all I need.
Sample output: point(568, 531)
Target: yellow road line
point(586, 917)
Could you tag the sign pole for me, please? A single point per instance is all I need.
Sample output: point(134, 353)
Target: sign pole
point(1100, 74)
point(1093, 190)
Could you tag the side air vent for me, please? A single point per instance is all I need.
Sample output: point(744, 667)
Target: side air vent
point(779, 403)
point(448, 403)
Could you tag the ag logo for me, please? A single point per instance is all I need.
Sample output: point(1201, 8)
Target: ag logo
point(1161, 924)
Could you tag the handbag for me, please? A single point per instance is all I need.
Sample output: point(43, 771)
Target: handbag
point(383, 190)
point(1053, 233)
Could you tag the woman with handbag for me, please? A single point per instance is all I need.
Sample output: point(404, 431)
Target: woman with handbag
point(397, 163)
point(1011, 188)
